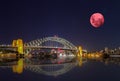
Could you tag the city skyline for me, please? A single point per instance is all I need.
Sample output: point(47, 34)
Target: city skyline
point(68, 19)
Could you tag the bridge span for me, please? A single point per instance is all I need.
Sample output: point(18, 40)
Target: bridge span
point(43, 43)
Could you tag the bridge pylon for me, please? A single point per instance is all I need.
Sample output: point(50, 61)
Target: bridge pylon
point(79, 56)
point(79, 51)
point(19, 44)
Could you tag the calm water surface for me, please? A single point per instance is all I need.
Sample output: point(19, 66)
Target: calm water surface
point(60, 69)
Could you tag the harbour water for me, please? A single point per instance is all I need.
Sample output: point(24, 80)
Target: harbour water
point(60, 69)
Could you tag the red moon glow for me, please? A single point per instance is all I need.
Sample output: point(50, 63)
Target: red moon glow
point(96, 20)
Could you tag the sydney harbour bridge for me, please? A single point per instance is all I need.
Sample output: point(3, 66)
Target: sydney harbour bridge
point(56, 44)
point(45, 47)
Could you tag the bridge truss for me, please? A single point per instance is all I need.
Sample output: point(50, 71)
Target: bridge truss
point(49, 42)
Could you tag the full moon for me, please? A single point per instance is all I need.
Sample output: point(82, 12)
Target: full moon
point(97, 20)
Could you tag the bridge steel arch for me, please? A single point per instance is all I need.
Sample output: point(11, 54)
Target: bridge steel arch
point(66, 44)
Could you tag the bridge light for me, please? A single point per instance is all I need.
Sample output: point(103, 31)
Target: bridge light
point(64, 55)
point(60, 54)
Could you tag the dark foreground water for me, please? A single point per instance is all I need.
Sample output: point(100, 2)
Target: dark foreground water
point(61, 69)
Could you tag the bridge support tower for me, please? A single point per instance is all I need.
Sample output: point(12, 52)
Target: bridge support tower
point(79, 51)
point(79, 56)
point(19, 44)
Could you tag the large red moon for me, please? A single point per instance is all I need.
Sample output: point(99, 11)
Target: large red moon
point(96, 20)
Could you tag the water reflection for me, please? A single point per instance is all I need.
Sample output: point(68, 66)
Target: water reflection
point(51, 66)
point(47, 66)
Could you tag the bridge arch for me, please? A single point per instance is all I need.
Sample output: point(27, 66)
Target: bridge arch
point(40, 42)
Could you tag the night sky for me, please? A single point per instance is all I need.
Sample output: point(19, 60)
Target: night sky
point(69, 19)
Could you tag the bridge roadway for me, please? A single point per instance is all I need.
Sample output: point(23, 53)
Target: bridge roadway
point(37, 47)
